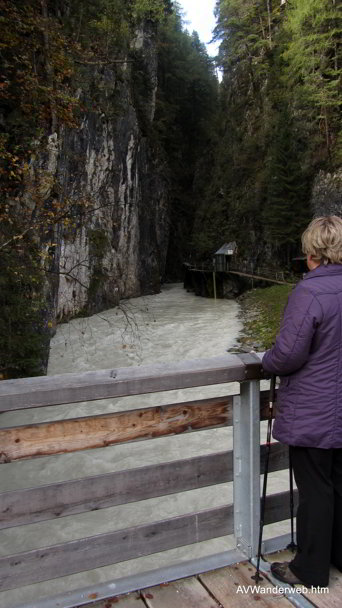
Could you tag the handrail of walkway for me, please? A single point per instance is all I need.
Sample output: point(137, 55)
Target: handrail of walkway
point(243, 465)
point(260, 273)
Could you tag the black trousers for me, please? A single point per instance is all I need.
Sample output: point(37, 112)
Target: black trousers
point(318, 475)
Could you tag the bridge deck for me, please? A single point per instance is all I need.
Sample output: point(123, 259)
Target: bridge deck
point(229, 587)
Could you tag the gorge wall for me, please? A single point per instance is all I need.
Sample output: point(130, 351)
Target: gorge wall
point(115, 246)
point(106, 109)
point(327, 193)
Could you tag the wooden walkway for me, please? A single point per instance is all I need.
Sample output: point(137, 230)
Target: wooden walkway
point(257, 274)
point(258, 277)
point(230, 587)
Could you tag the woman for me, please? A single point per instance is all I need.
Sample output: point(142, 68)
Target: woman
point(307, 356)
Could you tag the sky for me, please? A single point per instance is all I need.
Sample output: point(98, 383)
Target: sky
point(200, 14)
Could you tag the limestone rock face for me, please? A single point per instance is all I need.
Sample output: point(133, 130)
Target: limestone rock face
point(109, 169)
point(327, 193)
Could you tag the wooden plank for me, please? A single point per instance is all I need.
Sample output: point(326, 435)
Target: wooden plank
point(279, 457)
point(90, 432)
point(230, 586)
point(31, 505)
point(278, 507)
point(72, 388)
point(319, 597)
point(132, 600)
point(331, 599)
point(113, 547)
point(186, 593)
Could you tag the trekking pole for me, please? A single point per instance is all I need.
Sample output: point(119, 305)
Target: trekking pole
point(257, 576)
point(292, 544)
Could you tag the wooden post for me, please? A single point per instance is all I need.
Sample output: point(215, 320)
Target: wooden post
point(214, 283)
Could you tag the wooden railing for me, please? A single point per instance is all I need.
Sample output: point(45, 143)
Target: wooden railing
point(57, 500)
point(262, 273)
point(243, 269)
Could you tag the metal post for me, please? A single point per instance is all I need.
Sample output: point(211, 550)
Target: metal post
point(247, 467)
point(214, 282)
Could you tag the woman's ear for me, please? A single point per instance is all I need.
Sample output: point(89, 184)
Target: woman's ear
point(311, 263)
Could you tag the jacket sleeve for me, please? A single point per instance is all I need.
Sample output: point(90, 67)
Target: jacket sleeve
point(292, 347)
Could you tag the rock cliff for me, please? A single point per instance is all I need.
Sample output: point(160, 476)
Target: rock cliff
point(108, 168)
point(327, 193)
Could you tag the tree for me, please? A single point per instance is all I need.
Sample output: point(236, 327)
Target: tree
point(314, 65)
point(46, 49)
point(54, 55)
point(285, 210)
point(186, 109)
point(281, 79)
point(24, 331)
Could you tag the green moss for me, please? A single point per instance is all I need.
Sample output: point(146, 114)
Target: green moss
point(263, 310)
point(98, 242)
point(98, 279)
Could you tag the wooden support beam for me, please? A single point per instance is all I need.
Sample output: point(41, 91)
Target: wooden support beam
point(104, 549)
point(278, 506)
point(278, 459)
point(32, 505)
point(72, 388)
point(86, 433)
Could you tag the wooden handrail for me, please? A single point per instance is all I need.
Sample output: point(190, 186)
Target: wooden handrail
point(75, 387)
point(90, 432)
point(65, 498)
point(72, 435)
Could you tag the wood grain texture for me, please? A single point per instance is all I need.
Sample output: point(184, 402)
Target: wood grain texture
point(113, 547)
point(109, 429)
point(88, 386)
point(132, 600)
point(278, 459)
point(278, 506)
point(319, 598)
point(186, 593)
point(228, 586)
point(77, 496)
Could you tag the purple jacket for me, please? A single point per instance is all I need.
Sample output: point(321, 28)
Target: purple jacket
point(307, 356)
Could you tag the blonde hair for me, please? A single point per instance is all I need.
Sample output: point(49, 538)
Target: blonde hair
point(323, 240)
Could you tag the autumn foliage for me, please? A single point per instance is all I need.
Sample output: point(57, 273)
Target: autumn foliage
point(46, 47)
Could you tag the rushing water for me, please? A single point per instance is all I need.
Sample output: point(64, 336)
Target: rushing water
point(171, 326)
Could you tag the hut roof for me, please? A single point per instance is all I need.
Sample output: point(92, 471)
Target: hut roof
point(226, 249)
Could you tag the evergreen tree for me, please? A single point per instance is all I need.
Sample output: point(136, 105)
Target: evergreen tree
point(50, 50)
point(186, 107)
point(281, 80)
point(285, 211)
point(314, 68)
